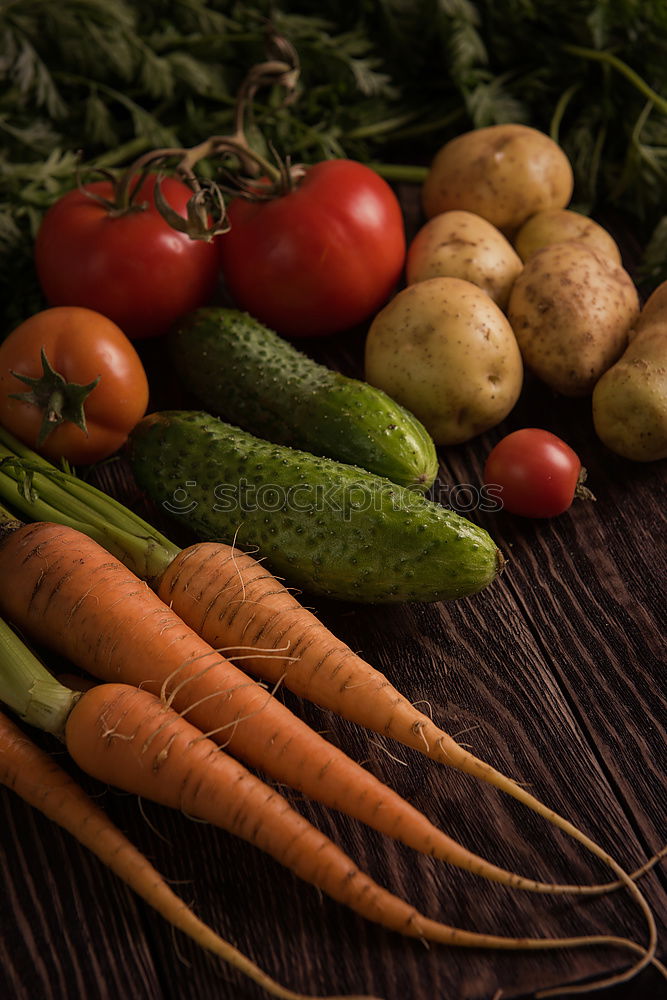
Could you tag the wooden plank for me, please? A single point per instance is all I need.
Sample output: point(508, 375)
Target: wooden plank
point(69, 927)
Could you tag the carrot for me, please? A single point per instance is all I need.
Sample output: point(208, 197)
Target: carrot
point(71, 594)
point(127, 737)
point(37, 779)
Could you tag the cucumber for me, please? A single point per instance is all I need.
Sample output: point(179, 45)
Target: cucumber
point(248, 375)
point(325, 527)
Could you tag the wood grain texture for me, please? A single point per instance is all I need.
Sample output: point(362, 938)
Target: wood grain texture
point(555, 674)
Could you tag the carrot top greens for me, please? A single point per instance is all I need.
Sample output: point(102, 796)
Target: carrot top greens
point(36, 488)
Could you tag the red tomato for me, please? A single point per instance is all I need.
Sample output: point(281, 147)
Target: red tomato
point(321, 258)
point(133, 268)
point(538, 473)
point(80, 345)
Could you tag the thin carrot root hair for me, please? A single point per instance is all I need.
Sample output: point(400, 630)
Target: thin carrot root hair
point(168, 699)
point(324, 670)
point(234, 722)
point(177, 769)
point(57, 565)
point(39, 781)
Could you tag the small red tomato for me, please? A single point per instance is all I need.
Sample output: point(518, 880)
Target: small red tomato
point(130, 266)
point(539, 474)
point(80, 382)
point(320, 258)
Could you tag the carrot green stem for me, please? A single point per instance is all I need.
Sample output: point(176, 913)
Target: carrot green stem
point(400, 172)
point(400, 128)
point(39, 490)
point(630, 74)
point(121, 154)
point(386, 125)
point(28, 688)
point(561, 107)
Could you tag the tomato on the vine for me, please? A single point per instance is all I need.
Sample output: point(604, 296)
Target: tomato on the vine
point(128, 263)
point(320, 258)
point(80, 383)
point(539, 474)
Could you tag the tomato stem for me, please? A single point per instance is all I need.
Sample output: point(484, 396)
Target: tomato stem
point(59, 400)
point(206, 211)
point(582, 492)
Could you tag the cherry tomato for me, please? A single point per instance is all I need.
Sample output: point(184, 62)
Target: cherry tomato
point(538, 473)
point(132, 267)
point(80, 346)
point(319, 259)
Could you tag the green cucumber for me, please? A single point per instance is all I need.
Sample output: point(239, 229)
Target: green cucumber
point(325, 527)
point(248, 375)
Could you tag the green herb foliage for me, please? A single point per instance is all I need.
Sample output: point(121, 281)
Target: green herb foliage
point(100, 81)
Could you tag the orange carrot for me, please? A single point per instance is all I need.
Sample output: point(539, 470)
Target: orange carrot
point(71, 594)
point(37, 779)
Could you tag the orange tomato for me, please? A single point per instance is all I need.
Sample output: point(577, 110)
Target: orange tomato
point(95, 393)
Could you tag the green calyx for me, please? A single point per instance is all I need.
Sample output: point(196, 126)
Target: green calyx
point(59, 400)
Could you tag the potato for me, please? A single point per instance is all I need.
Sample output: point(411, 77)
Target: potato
point(571, 310)
point(464, 245)
point(655, 308)
point(556, 225)
point(630, 400)
point(505, 173)
point(444, 349)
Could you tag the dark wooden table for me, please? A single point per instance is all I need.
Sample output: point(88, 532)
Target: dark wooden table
point(555, 674)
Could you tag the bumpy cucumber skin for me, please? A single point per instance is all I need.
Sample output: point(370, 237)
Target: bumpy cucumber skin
point(327, 528)
point(247, 374)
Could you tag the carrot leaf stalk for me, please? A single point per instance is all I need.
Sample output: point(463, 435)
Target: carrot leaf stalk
point(30, 690)
point(38, 489)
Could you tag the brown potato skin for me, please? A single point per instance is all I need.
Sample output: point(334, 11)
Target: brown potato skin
point(571, 311)
point(505, 173)
point(655, 308)
point(630, 400)
point(444, 349)
point(557, 225)
point(464, 245)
